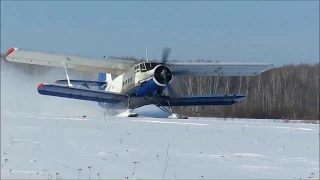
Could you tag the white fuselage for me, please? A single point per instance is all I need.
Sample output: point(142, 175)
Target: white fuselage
point(141, 80)
point(130, 79)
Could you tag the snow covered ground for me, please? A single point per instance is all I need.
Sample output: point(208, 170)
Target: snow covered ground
point(39, 147)
point(47, 138)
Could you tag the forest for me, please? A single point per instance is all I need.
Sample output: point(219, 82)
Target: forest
point(286, 92)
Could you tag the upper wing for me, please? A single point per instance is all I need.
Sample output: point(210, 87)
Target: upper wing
point(106, 65)
point(218, 68)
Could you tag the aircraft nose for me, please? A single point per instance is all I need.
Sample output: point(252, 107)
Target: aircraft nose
point(162, 73)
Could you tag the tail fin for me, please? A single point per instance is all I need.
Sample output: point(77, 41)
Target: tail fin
point(105, 77)
point(109, 78)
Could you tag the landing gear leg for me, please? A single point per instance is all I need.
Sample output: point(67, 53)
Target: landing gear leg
point(172, 115)
point(128, 112)
point(175, 116)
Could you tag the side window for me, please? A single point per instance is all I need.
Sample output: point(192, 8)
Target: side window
point(137, 67)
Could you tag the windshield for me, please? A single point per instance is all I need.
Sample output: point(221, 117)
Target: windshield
point(145, 66)
point(150, 66)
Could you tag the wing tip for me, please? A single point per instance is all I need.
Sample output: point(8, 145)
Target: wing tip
point(40, 85)
point(11, 51)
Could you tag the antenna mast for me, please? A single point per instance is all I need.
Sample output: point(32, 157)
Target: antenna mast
point(147, 54)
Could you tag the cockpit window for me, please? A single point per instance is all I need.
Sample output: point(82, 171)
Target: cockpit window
point(150, 66)
point(142, 66)
point(147, 66)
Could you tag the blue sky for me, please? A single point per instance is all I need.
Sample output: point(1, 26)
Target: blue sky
point(251, 31)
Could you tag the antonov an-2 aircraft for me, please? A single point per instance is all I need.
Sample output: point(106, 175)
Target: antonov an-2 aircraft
point(128, 84)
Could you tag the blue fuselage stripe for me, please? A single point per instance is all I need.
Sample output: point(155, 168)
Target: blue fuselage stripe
point(101, 77)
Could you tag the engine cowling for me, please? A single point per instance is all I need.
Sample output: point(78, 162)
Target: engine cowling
point(156, 84)
point(162, 74)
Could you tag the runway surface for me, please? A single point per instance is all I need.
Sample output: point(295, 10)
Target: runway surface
point(38, 147)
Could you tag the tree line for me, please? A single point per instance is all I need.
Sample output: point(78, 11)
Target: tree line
point(286, 92)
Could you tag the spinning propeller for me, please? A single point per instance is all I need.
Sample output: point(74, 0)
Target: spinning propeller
point(166, 73)
point(165, 54)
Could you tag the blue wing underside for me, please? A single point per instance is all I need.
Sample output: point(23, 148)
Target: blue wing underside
point(81, 82)
point(82, 93)
point(216, 99)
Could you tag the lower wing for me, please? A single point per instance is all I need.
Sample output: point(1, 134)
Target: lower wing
point(218, 99)
point(80, 93)
point(83, 83)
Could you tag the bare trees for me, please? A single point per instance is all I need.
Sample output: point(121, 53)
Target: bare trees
point(290, 91)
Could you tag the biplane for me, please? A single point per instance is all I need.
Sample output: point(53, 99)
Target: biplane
point(128, 84)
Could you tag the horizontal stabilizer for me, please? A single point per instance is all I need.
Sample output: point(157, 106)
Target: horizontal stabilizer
point(81, 82)
point(80, 93)
point(217, 99)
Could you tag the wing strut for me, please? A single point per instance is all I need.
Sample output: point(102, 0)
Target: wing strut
point(172, 115)
point(216, 85)
point(217, 80)
point(65, 70)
